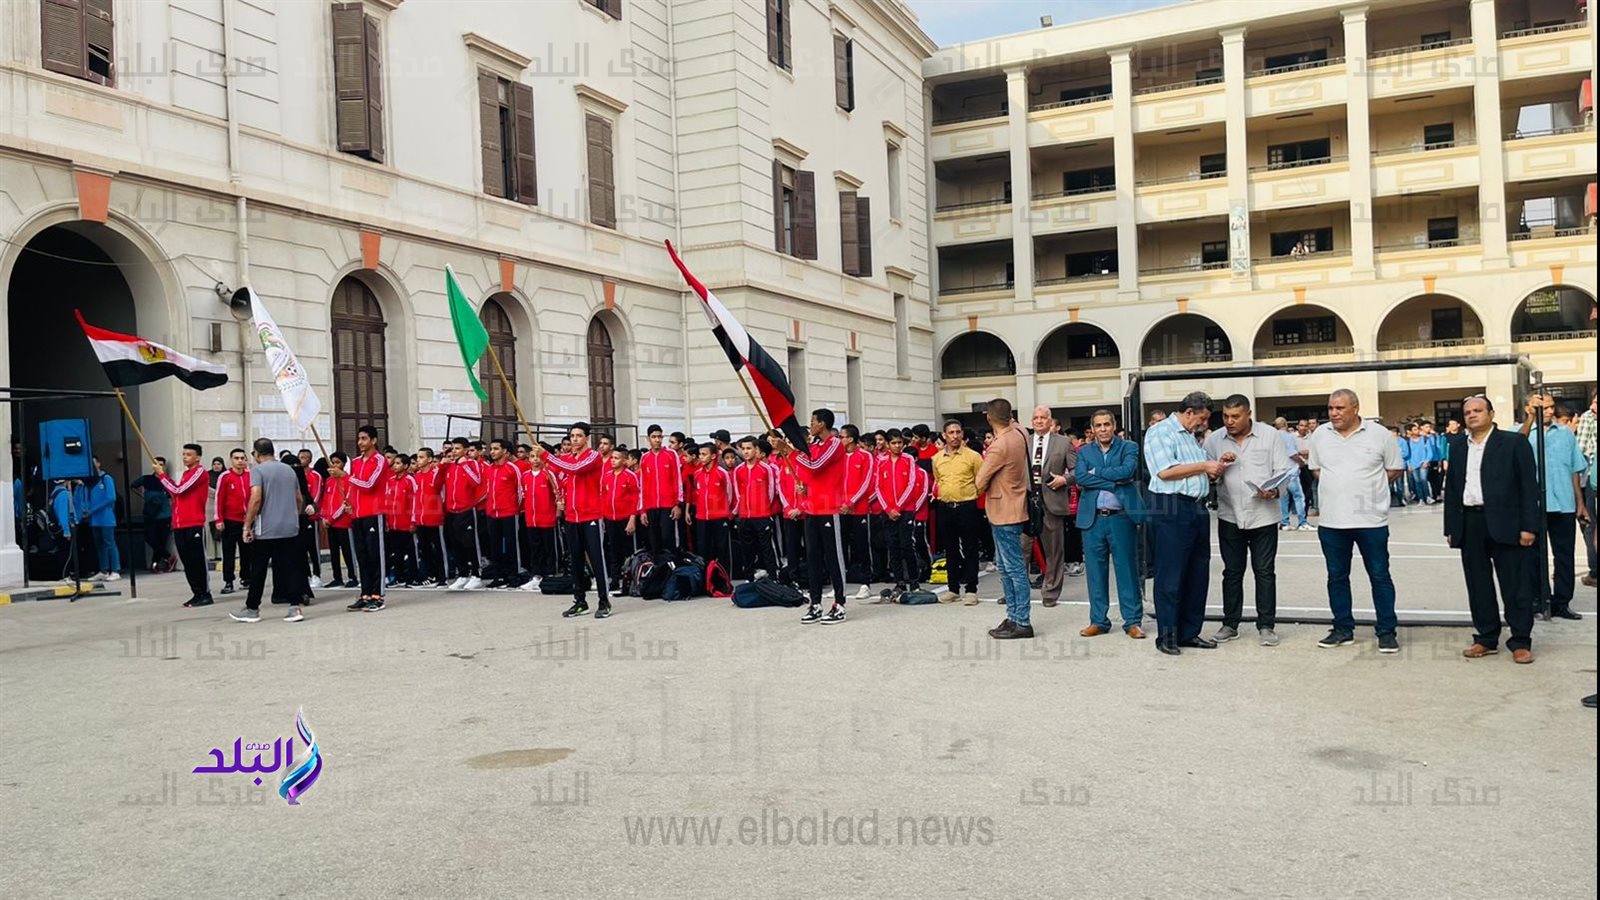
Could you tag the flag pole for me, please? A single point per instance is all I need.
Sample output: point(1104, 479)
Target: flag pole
point(760, 410)
point(495, 358)
point(318, 439)
point(135, 423)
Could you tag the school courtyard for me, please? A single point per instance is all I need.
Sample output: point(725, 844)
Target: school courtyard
point(479, 744)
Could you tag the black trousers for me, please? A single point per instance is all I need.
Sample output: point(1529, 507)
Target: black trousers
point(1261, 546)
point(430, 551)
point(157, 532)
point(958, 527)
point(308, 545)
point(285, 559)
point(340, 544)
point(1563, 530)
point(500, 546)
point(660, 532)
point(587, 542)
point(369, 532)
point(758, 548)
point(985, 537)
point(794, 547)
point(461, 531)
point(192, 553)
point(619, 546)
point(825, 556)
point(539, 551)
point(878, 546)
point(921, 549)
point(402, 549)
point(902, 552)
point(1483, 562)
point(857, 547)
point(1180, 537)
point(1308, 484)
point(233, 543)
point(1073, 541)
point(713, 540)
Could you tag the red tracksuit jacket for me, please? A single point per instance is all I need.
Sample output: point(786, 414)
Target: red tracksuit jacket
point(922, 493)
point(233, 492)
point(500, 494)
point(461, 481)
point(367, 478)
point(822, 472)
point(661, 479)
point(331, 506)
point(314, 485)
point(756, 484)
point(859, 470)
point(714, 496)
point(581, 488)
point(189, 495)
point(897, 483)
point(539, 498)
point(429, 508)
point(788, 483)
point(620, 495)
point(400, 494)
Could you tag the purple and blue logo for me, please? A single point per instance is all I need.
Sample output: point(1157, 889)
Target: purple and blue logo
point(296, 779)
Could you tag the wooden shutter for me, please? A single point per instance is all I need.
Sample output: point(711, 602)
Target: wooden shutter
point(613, 8)
point(350, 78)
point(99, 47)
point(494, 181)
point(374, 59)
point(864, 236)
point(849, 238)
point(841, 72)
point(602, 184)
point(784, 22)
point(777, 208)
point(360, 386)
point(774, 37)
point(527, 168)
point(61, 36)
point(805, 215)
point(602, 374)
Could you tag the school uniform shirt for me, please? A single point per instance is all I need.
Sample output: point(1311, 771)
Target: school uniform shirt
point(429, 506)
point(896, 482)
point(334, 493)
point(462, 479)
point(581, 487)
point(539, 487)
point(366, 481)
point(189, 495)
point(620, 494)
point(715, 495)
point(233, 492)
point(400, 493)
point(661, 479)
point(821, 470)
point(756, 485)
point(500, 490)
point(859, 467)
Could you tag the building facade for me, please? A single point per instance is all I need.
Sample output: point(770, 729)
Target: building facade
point(337, 156)
point(1226, 183)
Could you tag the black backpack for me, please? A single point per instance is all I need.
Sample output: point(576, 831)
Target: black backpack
point(556, 584)
point(776, 593)
point(634, 570)
point(653, 583)
point(686, 583)
point(918, 598)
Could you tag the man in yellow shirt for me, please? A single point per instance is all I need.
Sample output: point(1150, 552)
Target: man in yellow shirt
point(955, 510)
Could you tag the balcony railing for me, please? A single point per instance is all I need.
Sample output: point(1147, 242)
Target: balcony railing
point(1079, 364)
point(1297, 163)
point(947, 290)
point(1306, 350)
point(1186, 267)
point(1175, 179)
point(1186, 359)
point(1179, 85)
point(1077, 192)
point(1063, 104)
point(969, 117)
point(1420, 147)
point(1309, 256)
point(1520, 135)
point(1419, 48)
point(1299, 67)
point(1543, 234)
point(1436, 244)
point(972, 204)
point(1074, 279)
point(1543, 29)
point(1432, 345)
point(1588, 335)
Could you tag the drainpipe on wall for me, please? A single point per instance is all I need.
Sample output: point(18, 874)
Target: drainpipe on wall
point(241, 210)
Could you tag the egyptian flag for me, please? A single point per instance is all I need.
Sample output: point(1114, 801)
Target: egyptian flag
point(130, 360)
point(744, 353)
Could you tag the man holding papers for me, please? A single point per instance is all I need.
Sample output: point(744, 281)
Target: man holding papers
point(1247, 514)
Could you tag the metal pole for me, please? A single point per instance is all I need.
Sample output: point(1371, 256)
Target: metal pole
point(127, 513)
point(22, 442)
point(1543, 605)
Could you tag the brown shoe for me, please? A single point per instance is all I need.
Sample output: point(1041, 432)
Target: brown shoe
point(1479, 651)
point(1135, 632)
point(1092, 631)
point(1049, 602)
point(1522, 657)
point(1588, 581)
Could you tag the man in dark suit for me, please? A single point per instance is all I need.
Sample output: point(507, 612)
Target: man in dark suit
point(1491, 515)
point(1051, 460)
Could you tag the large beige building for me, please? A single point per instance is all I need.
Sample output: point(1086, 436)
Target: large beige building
point(1229, 183)
point(336, 156)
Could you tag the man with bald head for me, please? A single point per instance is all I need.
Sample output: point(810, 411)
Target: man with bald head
point(1051, 461)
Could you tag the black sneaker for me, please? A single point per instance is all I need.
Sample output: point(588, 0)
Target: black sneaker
point(603, 611)
point(1337, 638)
point(359, 606)
point(813, 615)
point(227, 588)
point(374, 605)
point(1388, 643)
point(834, 616)
point(352, 583)
point(200, 601)
point(578, 608)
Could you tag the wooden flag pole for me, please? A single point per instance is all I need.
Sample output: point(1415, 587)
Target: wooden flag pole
point(135, 423)
point(318, 439)
point(495, 357)
point(760, 410)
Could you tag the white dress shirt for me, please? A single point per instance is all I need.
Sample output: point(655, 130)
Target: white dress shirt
point(1472, 493)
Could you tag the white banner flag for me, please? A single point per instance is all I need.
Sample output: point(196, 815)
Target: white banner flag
point(298, 398)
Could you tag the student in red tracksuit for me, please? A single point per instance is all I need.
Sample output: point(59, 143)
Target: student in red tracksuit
point(334, 507)
point(623, 501)
point(922, 494)
point(661, 486)
point(501, 504)
point(586, 534)
point(429, 515)
point(689, 464)
point(463, 476)
point(755, 482)
point(309, 523)
point(714, 500)
point(791, 512)
point(368, 473)
point(189, 494)
point(877, 525)
point(233, 493)
point(896, 487)
point(541, 513)
point(399, 518)
point(859, 483)
point(821, 479)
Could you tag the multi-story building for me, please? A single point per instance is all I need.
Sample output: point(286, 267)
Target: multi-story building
point(337, 156)
point(1225, 183)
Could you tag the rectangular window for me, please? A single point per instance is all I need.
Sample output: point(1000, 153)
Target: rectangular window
point(1086, 94)
point(1090, 346)
point(794, 211)
point(1313, 330)
point(895, 210)
point(1211, 75)
point(1092, 264)
point(1440, 136)
point(505, 119)
point(902, 337)
point(855, 234)
point(844, 72)
point(1443, 232)
point(1300, 58)
point(76, 37)
point(796, 371)
point(1299, 153)
point(779, 51)
point(1435, 38)
point(854, 395)
point(358, 82)
point(1213, 165)
point(1315, 240)
point(612, 8)
point(1446, 324)
point(602, 171)
point(1214, 252)
point(1084, 180)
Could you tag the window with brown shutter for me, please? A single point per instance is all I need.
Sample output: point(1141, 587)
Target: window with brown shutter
point(505, 125)
point(77, 39)
point(499, 409)
point(805, 215)
point(612, 8)
point(849, 237)
point(360, 388)
point(782, 195)
point(602, 177)
point(602, 374)
point(778, 44)
point(358, 82)
point(864, 236)
point(526, 167)
point(492, 128)
point(844, 72)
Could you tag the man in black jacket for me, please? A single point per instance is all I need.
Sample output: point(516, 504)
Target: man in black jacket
point(1491, 515)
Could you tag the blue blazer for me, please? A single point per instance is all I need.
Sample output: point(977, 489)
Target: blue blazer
point(1115, 470)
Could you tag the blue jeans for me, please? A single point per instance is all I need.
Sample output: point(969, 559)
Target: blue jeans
point(105, 545)
point(1419, 484)
point(1291, 502)
point(1107, 544)
point(1337, 544)
point(1013, 572)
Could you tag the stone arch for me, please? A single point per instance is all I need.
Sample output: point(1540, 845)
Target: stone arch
point(1266, 340)
point(1553, 309)
point(1416, 319)
point(977, 354)
point(400, 392)
point(1185, 339)
point(1080, 341)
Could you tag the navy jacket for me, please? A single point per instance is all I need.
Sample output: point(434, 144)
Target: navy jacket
point(1115, 470)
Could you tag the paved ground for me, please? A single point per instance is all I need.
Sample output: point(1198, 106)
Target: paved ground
point(479, 745)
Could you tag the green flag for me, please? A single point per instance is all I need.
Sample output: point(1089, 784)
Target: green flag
point(470, 333)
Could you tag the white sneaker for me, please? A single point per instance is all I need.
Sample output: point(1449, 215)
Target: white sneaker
point(474, 584)
point(531, 586)
point(460, 584)
point(316, 582)
point(1308, 527)
point(990, 568)
point(864, 592)
point(294, 615)
point(113, 576)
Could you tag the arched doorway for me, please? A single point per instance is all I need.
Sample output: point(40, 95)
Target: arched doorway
point(1429, 321)
point(360, 384)
point(498, 409)
point(1554, 314)
point(1075, 347)
point(1186, 339)
point(1303, 330)
point(602, 374)
point(977, 354)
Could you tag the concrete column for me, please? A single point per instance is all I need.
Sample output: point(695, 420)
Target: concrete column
point(1238, 156)
point(1027, 390)
point(930, 201)
point(1122, 151)
point(1021, 182)
point(1492, 212)
point(1359, 143)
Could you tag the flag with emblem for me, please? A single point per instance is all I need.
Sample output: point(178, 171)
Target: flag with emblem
point(130, 360)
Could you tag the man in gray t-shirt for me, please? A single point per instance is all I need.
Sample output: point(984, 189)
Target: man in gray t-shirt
point(272, 527)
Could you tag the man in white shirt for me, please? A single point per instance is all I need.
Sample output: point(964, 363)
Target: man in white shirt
point(1355, 461)
point(1247, 518)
